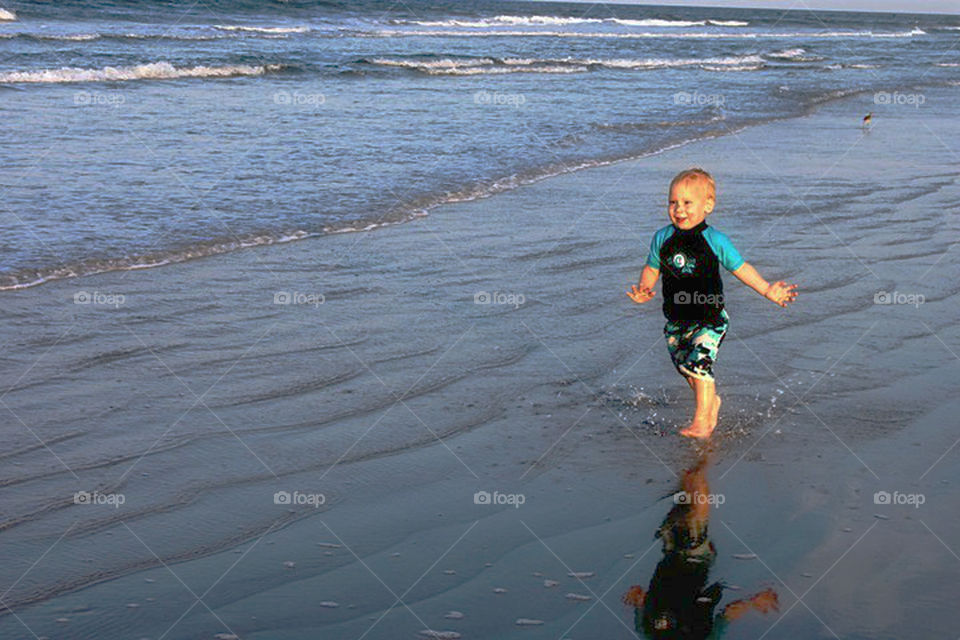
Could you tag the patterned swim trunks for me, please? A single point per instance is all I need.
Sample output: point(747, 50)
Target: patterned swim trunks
point(693, 346)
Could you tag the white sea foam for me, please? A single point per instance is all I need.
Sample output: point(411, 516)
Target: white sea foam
point(657, 63)
point(479, 66)
point(794, 55)
point(788, 53)
point(443, 63)
point(916, 31)
point(740, 67)
point(729, 23)
point(845, 65)
point(815, 35)
point(231, 27)
point(653, 22)
point(500, 21)
point(77, 37)
point(6, 15)
point(474, 71)
point(164, 36)
point(507, 21)
point(153, 70)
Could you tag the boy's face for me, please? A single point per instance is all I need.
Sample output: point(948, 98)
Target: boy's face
point(689, 204)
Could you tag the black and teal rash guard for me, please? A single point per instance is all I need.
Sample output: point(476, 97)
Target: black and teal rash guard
point(689, 263)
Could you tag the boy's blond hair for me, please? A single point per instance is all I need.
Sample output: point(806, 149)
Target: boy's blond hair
point(697, 176)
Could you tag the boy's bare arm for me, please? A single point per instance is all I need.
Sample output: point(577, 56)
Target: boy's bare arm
point(648, 280)
point(778, 292)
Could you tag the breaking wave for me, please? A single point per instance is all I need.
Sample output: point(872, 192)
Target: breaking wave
point(222, 27)
point(814, 35)
point(507, 21)
point(150, 71)
point(490, 65)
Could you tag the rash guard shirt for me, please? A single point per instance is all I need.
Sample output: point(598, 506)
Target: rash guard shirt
point(689, 263)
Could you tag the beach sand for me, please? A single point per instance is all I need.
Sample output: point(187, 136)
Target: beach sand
point(388, 393)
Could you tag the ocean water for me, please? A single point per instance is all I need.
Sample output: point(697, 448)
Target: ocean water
point(137, 134)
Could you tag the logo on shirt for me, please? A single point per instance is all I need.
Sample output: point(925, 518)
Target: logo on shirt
point(683, 264)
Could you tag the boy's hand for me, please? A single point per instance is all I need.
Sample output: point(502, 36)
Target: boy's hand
point(781, 293)
point(640, 294)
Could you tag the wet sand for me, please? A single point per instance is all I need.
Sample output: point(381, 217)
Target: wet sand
point(393, 401)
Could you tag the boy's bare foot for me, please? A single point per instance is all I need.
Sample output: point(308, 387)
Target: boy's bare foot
point(697, 429)
point(700, 428)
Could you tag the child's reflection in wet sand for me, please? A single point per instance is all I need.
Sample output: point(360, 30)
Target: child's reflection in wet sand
point(678, 602)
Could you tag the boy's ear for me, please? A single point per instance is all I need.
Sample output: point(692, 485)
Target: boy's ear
point(708, 205)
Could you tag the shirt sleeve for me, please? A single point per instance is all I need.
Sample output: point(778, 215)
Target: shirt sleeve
point(726, 253)
point(653, 258)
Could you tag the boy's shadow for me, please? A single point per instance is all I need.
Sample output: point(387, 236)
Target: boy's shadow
point(678, 603)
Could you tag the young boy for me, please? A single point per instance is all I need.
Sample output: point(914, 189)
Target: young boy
point(690, 254)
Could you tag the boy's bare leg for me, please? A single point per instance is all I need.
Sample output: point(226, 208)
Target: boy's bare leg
point(708, 408)
point(715, 412)
point(714, 407)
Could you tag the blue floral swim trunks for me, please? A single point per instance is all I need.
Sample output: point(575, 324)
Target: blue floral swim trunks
point(693, 346)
